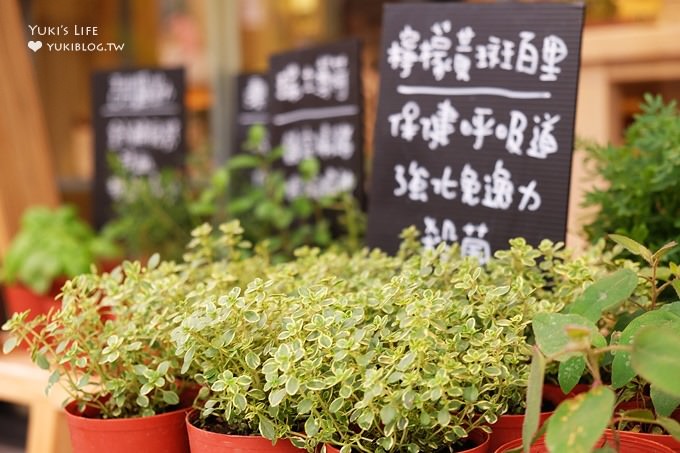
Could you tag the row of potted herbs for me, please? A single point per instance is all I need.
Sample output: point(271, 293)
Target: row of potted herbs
point(425, 351)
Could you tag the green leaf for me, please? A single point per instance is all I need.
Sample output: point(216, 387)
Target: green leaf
point(633, 247)
point(9, 344)
point(551, 332)
point(239, 401)
point(163, 367)
point(170, 397)
point(387, 414)
point(143, 401)
point(218, 386)
point(54, 378)
point(41, 361)
point(622, 371)
point(578, 423)
point(570, 372)
point(311, 427)
point(251, 316)
point(605, 294)
point(188, 358)
point(240, 161)
point(146, 388)
point(276, 397)
point(83, 381)
point(266, 428)
point(664, 250)
point(656, 356)
point(671, 426)
point(443, 417)
point(406, 361)
point(305, 406)
point(365, 420)
point(252, 360)
point(664, 404)
point(153, 262)
point(292, 385)
point(534, 396)
point(337, 404)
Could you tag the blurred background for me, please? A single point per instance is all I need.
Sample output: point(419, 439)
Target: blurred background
point(630, 47)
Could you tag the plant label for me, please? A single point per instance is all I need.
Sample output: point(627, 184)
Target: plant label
point(139, 116)
point(475, 124)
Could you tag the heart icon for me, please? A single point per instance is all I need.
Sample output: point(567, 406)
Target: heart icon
point(34, 45)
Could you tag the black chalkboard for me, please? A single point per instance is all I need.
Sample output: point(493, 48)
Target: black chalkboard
point(139, 115)
point(316, 111)
point(252, 108)
point(475, 123)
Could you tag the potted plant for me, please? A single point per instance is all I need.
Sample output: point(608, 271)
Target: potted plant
point(642, 178)
point(110, 347)
point(358, 350)
point(50, 247)
point(222, 333)
point(645, 347)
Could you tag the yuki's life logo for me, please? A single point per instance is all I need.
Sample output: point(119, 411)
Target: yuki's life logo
point(75, 38)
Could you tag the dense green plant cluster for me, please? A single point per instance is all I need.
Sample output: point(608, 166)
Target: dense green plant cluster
point(372, 352)
point(363, 350)
point(642, 179)
point(52, 244)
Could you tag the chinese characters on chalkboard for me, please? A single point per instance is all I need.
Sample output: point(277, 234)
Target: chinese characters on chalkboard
point(252, 109)
point(475, 124)
point(139, 116)
point(316, 113)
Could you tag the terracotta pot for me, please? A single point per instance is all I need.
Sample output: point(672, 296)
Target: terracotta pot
point(163, 433)
point(627, 444)
point(479, 437)
point(509, 427)
point(554, 394)
point(202, 441)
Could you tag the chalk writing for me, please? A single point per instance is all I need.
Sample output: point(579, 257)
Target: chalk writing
point(520, 53)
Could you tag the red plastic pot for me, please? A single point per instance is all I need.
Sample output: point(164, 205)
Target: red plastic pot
point(509, 427)
point(19, 298)
point(554, 394)
point(202, 441)
point(627, 444)
point(479, 437)
point(163, 433)
point(646, 403)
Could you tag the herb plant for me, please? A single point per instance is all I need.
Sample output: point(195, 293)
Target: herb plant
point(642, 179)
point(371, 352)
point(157, 213)
point(645, 347)
point(109, 346)
point(50, 244)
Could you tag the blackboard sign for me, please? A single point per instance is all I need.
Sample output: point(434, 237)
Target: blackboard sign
point(315, 112)
point(251, 108)
point(475, 122)
point(139, 115)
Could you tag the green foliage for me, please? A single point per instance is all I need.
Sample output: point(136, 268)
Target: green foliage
point(643, 179)
point(110, 344)
point(646, 346)
point(52, 244)
point(372, 352)
point(268, 216)
point(157, 214)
